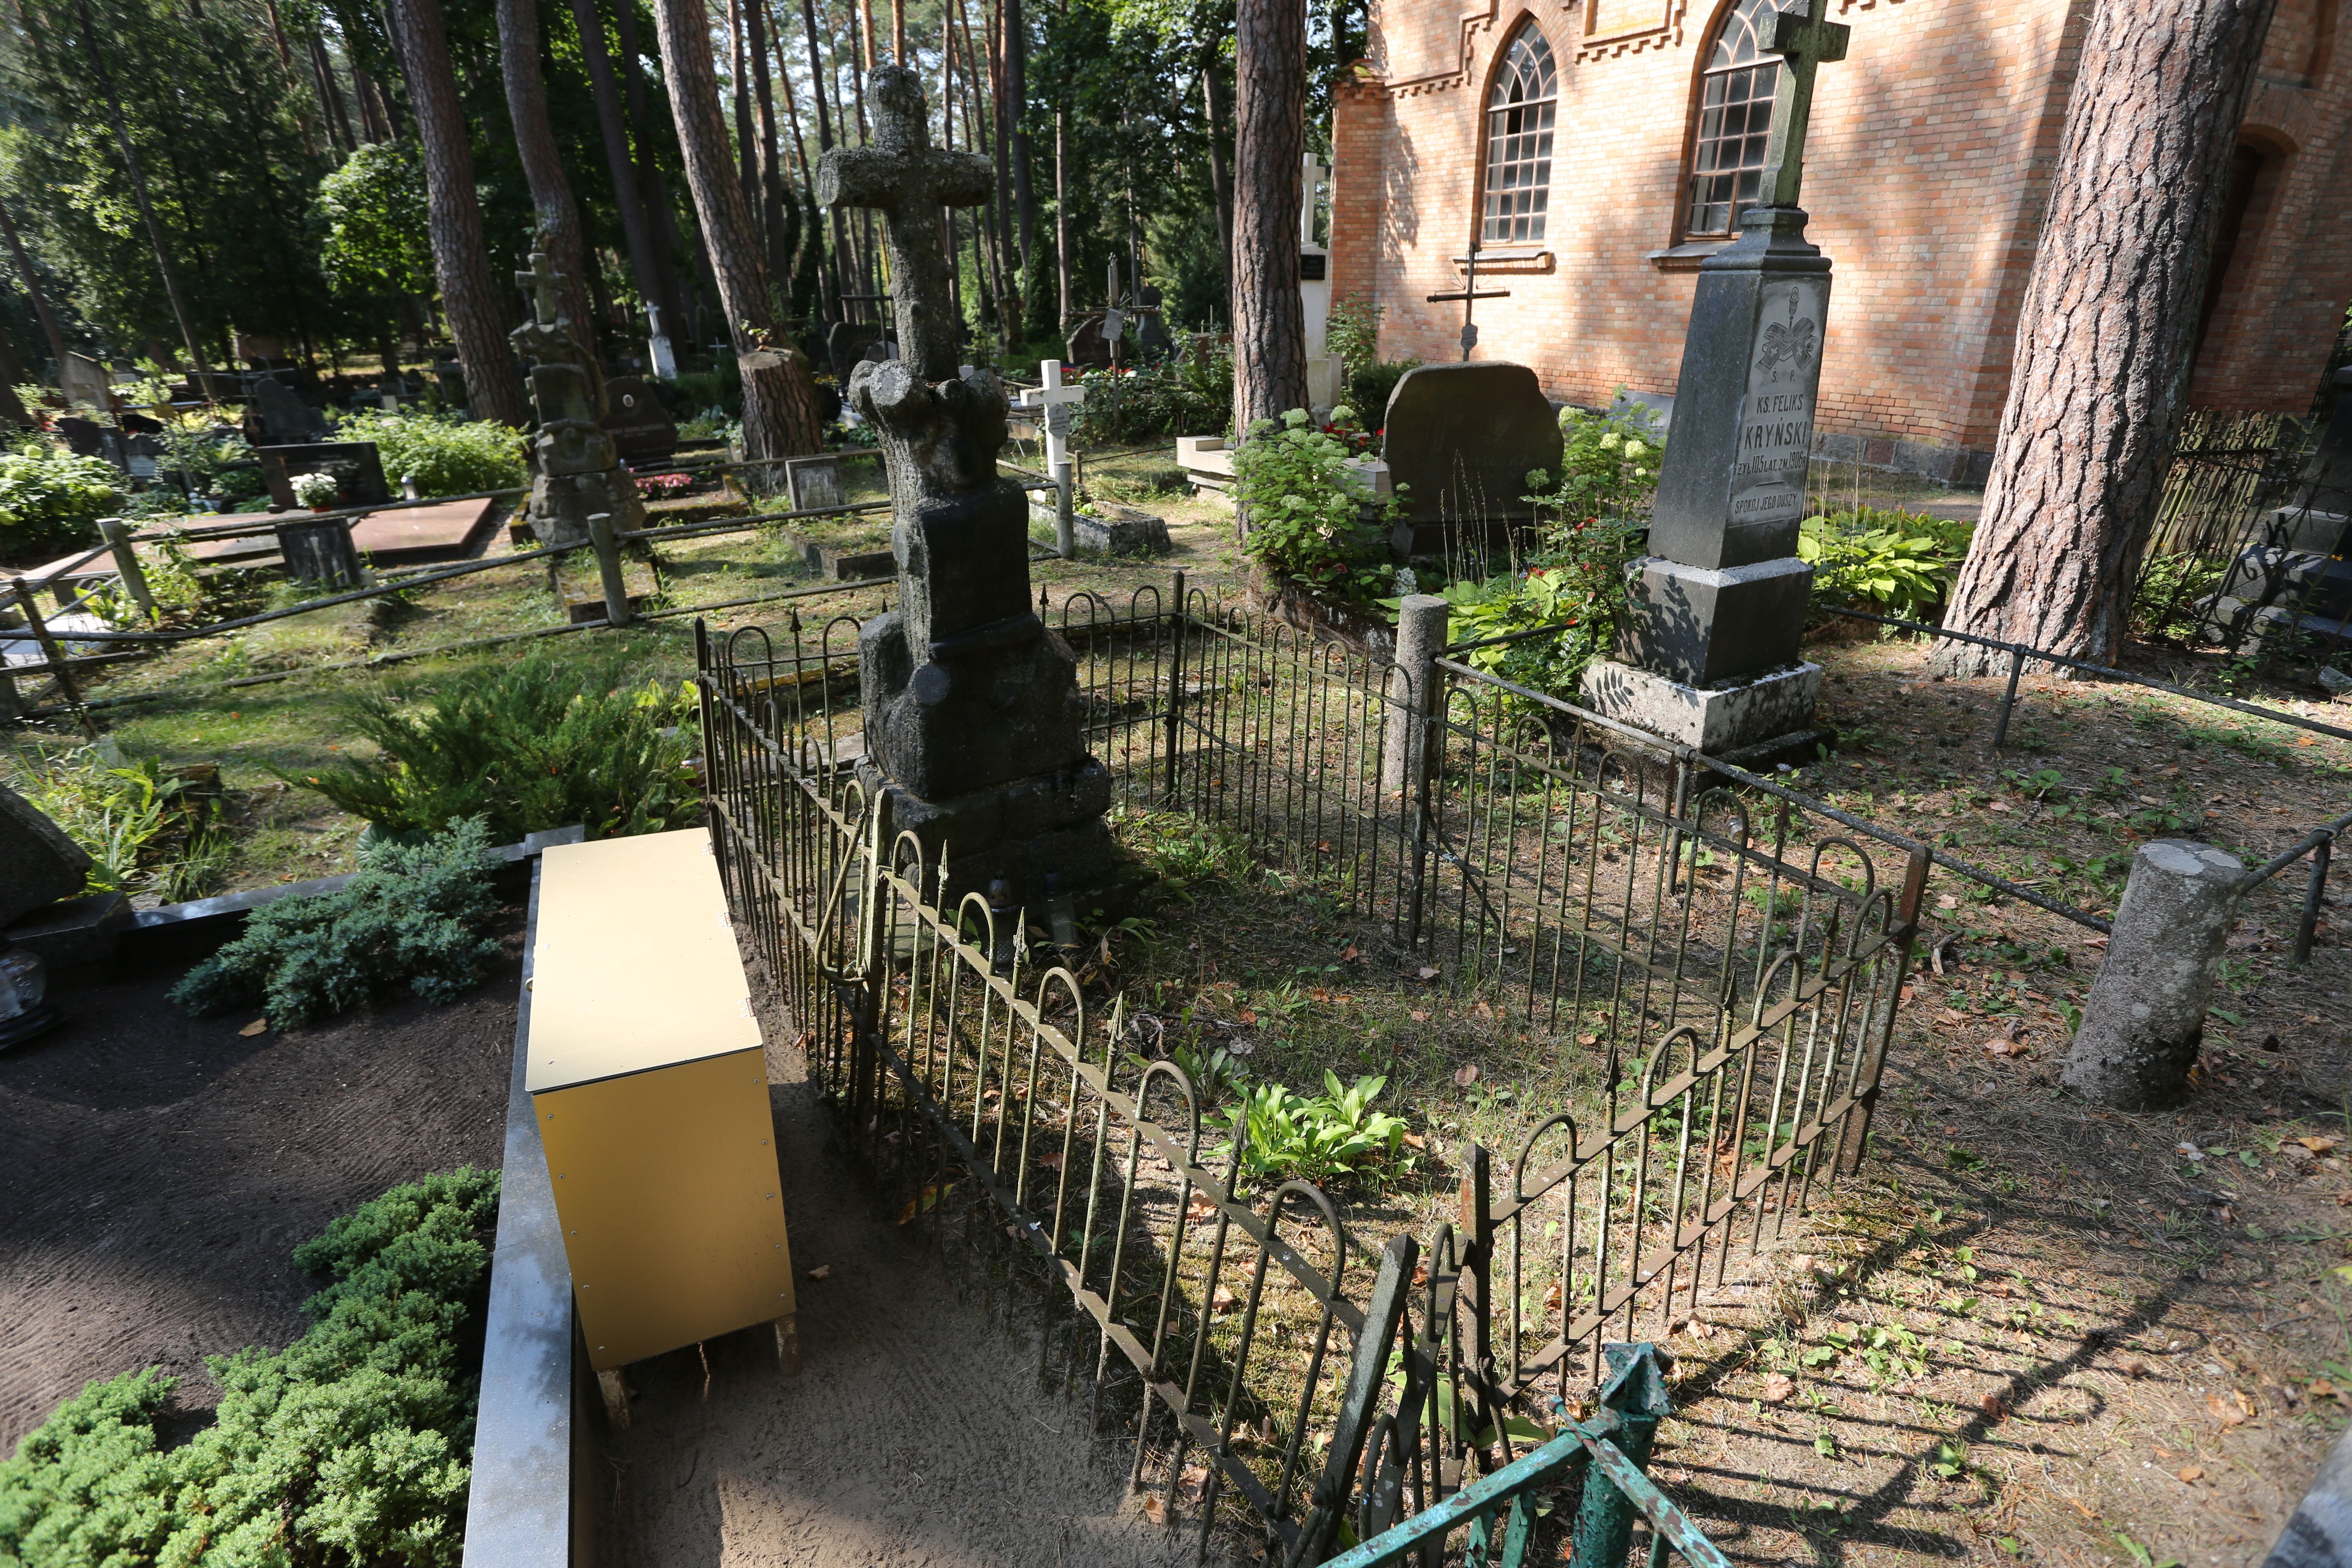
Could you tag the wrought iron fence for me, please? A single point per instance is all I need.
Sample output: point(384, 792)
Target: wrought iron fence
point(1730, 980)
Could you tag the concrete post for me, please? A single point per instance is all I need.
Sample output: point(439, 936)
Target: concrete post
point(1413, 688)
point(608, 566)
point(2147, 1010)
point(126, 564)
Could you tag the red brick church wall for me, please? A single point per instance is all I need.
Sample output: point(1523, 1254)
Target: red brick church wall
point(1928, 169)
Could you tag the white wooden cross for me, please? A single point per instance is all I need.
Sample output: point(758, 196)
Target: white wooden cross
point(1055, 399)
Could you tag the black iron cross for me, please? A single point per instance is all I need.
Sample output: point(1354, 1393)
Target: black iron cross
point(1805, 41)
point(1467, 294)
point(909, 180)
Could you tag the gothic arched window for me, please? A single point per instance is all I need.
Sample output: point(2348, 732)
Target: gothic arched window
point(1519, 112)
point(1735, 120)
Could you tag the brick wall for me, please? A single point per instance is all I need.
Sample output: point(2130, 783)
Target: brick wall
point(1927, 168)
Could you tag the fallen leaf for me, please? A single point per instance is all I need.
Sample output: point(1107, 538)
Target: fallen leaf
point(1947, 902)
point(1415, 1140)
point(2232, 1412)
point(1994, 1407)
point(2002, 1046)
point(1247, 1016)
point(2319, 1146)
point(1588, 1039)
point(1427, 972)
point(1203, 1206)
point(1320, 995)
point(2321, 1389)
point(822, 1271)
point(1050, 1158)
point(1420, 1017)
point(1223, 1301)
point(1551, 1297)
point(1349, 955)
point(1155, 1510)
point(1465, 1075)
point(2190, 1472)
point(1419, 1275)
point(1480, 1010)
point(2135, 1368)
point(1778, 1387)
point(260, 1025)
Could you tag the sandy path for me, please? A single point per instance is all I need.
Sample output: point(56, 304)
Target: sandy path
point(915, 1436)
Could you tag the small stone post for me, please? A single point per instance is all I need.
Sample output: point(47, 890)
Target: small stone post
point(1413, 688)
point(608, 566)
point(126, 563)
point(2147, 1011)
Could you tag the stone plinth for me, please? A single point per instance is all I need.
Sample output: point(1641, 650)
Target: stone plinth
point(1720, 721)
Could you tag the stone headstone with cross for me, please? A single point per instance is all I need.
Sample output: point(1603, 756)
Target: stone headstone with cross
point(1709, 656)
point(970, 703)
point(575, 467)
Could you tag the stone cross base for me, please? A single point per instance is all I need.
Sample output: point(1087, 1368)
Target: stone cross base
point(1021, 831)
point(561, 504)
point(1773, 712)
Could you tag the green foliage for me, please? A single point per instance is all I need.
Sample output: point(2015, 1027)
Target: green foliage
point(408, 920)
point(1352, 332)
point(2169, 586)
point(143, 829)
point(541, 744)
point(1215, 1073)
point(349, 1446)
point(1190, 394)
point(50, 500)
point(1891, 562)
point(373, 208)
point(1332, 1137)
point(1306, 522)
point(1183, 851)
point(447, 457)
point(1608, 467)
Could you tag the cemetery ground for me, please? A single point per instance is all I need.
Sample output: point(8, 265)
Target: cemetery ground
point(2027, 1330)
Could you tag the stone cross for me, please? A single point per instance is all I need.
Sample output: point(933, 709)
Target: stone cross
point(1055, 399)
point(909, 181)
point(545, 285)
point(1806, 41)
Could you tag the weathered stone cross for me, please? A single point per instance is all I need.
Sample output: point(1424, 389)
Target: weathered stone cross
point(909, 180)
point(545, 285)
point(1806, 40)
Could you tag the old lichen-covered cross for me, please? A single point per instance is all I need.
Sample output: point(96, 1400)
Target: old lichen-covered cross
point(1804, 39)
point(909, 180)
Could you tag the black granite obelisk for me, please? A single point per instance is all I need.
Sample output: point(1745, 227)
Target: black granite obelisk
point(1709, 656)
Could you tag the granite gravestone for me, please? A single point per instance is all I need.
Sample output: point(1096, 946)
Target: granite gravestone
point(38, 864)
point(274, 416)
point(971, 705)
point(576, 471)
point(1462, 437)
point(641, 429)
point(357, 465)
point(1709, 656)
point(1084, 341)
point(2295, 574)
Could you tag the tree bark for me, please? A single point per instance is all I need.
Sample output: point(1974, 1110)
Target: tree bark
point(32, 291)
point(331, 94)
point(808, 250)
point(2097, 382)
point(551, 192)
point(779, 413)
point(1016, 96)
point(461, 262)
point(669, 243)
point(1270, 114)
point(1221, 174)
point(1061, 228)
point(12, 408)
point(837, 264)
point(771, 174)
point(171, 274)
point(636, 222)
point(747, 156)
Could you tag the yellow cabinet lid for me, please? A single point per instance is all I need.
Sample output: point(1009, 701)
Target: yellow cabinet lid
point(635, 966)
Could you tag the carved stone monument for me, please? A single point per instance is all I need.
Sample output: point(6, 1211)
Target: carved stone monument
point(972, 704)
point(1709, 656)
point(575, 469)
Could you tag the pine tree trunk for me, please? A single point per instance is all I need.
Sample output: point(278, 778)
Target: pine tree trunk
point(775, 220)
point(636, 222)
point(2097, 382)
point(669, 243)
point(461, 263)
point(1270, 112)
point(551, 192)
point(33, 289)
point(780, 415)
point(1016, 110)
point(1221, 174)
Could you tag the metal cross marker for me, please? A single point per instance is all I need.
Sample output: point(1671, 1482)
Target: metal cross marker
point(909, 180)
point(1055, 400)
point(1467, 294)
point(1806, 40)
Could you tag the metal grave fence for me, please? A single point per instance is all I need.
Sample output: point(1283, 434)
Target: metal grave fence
point(1732, 983)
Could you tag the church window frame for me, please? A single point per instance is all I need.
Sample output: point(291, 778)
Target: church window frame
point(1731, 124)
point(1516, 138)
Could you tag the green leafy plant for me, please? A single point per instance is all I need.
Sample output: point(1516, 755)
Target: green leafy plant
point(444, 456)
point(1889, 561)
point(50, 500)
point(142, 828)
point(408, 920)
point(541, 744)
point(1214, 1071)
point(1608, 467)
point(1305, 517)
point(1331, 1137)
point(1183, 852)
point(348, 1447)
point(1186, 394)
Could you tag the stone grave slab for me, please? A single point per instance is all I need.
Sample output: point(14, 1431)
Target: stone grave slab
point(1460, 440)
point(449, 531)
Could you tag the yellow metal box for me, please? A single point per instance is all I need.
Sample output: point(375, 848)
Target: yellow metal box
point(652, 1095)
